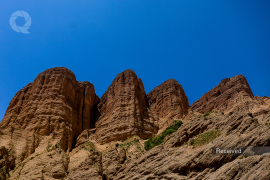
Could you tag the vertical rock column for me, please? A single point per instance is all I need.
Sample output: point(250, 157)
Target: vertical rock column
point(124, 111)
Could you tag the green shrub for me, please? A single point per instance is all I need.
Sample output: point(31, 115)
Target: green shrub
point(206, 137)
point(152, 142)
point(52, 148)
point(89, 146)
point(208, 113)
point(191, 142)
point(129, 142)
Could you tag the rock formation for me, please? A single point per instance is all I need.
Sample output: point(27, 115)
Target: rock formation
point(124, 111)
point(7, 163)
point(229, 93)
point(178, 159)
point(167, 101)
point(57, 128)
point(54, 108)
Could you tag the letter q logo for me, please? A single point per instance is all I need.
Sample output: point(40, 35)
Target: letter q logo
point(25, 27)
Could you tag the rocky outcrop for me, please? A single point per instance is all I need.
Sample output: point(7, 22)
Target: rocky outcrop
point(177, 158)
point(86, 135)
point(112, 162)
point(7, 163)
point(231, 92)
point(51, 131)
point(124, 111)
point(167, 101)
point(54, 108)
point(90, 167)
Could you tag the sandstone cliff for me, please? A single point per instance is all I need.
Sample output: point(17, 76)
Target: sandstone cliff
point(225, 96)
point(54, 108)
point(124, 111)
point(168, 101)
point(51, 131)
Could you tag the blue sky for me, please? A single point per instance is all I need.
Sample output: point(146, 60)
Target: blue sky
point(198, 43)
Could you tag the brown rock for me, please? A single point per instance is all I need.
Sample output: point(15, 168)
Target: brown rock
point(57, 110)
point(7, 163)
point(85, 136)
point(111, 162)
point(225, 96)
point(90, 168)
point(55, 107)
point(124, 111)
point(176, 159)
point(167, 101)
point(47, 165)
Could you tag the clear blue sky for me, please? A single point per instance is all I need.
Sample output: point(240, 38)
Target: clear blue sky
point(198, 43)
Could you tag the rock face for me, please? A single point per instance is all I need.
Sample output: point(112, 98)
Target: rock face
point(229, 93)
point(55, 107)
point(167, 101)
point(7, 163)
point(51, 131)
point(124, 111)
point(48, 165)
point(85, 136)
point(177, 159)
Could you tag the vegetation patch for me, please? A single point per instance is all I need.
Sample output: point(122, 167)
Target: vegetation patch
point(208, 113)
point(129, 142)
point(89, 146)
point(152, 142)
point(52, 148)
point(245, 155)
point(205, 138)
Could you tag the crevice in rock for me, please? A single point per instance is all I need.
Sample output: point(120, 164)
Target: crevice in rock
point(96, 115)
point(73, 143)
point(104, 177)
point(42, 80)
point(83, 106)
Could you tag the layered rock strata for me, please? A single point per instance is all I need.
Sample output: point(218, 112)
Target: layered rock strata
point(178, 159)
point(55, 107)
point(225, 96)
point(124, 111)
point(167, 101)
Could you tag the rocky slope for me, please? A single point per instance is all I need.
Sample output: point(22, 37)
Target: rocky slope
point(178, 158)
point(57, 128)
